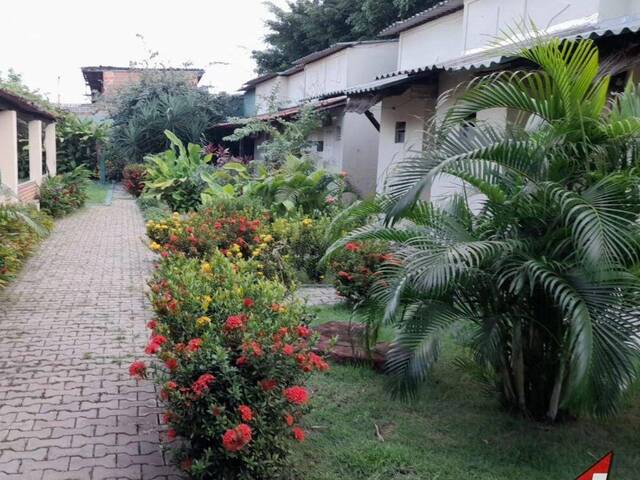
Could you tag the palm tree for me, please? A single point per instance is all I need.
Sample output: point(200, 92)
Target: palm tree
point(544, 277)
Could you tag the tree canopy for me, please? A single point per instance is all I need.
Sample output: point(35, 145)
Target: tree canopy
point(307, 26)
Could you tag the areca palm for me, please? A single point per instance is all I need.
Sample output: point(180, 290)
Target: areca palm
point(545, 274)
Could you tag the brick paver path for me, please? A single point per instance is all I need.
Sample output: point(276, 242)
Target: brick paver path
point(69, 326)
point(319, 296)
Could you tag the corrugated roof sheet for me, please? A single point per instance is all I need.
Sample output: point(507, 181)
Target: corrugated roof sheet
point(438, 10)
point(493, 57)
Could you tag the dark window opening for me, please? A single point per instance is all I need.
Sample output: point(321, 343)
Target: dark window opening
point(401, 132)
point(320, 146)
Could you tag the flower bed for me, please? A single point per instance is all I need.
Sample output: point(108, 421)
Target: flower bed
point(233, 355)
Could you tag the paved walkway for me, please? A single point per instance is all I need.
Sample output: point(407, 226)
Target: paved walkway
point(319, 295)
point(69, 326)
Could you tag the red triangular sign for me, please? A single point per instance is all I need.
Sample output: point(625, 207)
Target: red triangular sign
point(600, 470)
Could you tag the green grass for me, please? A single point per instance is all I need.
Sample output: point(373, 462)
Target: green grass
point(343, 313)
point(453, 431)
point(97, 192)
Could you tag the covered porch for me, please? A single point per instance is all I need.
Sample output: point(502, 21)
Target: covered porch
point(27, 146)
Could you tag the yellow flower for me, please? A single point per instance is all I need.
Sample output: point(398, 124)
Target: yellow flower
point(239, 255)
point(256, 252)
point(206, 301)
point(260, 274)
point(307, 222)
point(235, 247)
point(267, 238)
point(229, 253)
point(203, 321)
point(206, 267)
point(156, 247)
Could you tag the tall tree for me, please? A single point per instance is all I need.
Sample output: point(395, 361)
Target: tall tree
point(306, 26)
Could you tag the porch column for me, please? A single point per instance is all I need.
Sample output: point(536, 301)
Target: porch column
point(9, 149)
point(50, 147)
point(35, 151)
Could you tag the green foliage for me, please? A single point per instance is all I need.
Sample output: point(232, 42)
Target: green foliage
point(62, 194)
point(544, 274)
point(160, 101)
point(78, 142)
point(21, 228)
point(286, 138)
point(237, 353)
point(307, 26)
point(175, 175)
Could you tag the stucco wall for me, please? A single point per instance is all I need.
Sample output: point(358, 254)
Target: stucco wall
point(360, 151)
point(326, 75)
point(295, 89)
point(412, 107)
point(367, 61)
point(276, 88)
point(431, 43)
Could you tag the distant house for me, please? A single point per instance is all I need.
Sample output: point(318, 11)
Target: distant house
point(454, 41)
point(22, 172)
point(105, 81)
point(346, 141)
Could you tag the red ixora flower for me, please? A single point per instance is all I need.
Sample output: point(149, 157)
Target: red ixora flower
point(245, 413)
point(152, 324)
point(268, 384)
point(194, 344)
point(352, 247)
point(138, 369)
point(288, 350)
point(248, 303)
point(304, 331)
point(171, 434)
point(154, 344)
point(171, 363)
point(298, 434)
point(345, 276)
point(202, 383)
point(296, 395)
point(288, 419)
point(234, 322)
point(235, 439)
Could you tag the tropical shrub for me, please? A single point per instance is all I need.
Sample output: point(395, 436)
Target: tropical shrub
point(21, 228)
point(357, 266)
point(175, 175)
point(77, 143)
point(544, 274)
point(236, 236)
point(62, 194)
point(133, 177)
point(306, 241)
point(285, 138)
point(161, 100)
point(236, 354)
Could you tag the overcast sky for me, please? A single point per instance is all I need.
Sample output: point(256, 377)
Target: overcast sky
point(47, 41)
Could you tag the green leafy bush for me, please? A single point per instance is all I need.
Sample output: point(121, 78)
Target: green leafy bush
point(21, 228)
point(236, 354)
point(175, 175)
point(77, 143)
point(65, 193)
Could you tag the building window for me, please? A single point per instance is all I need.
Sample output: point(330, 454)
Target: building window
point(320, 146)
point(401, 132)
point(338, 133)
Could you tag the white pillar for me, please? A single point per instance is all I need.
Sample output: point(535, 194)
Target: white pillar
point(35, 151)
point(9, 149)
point(50, 147)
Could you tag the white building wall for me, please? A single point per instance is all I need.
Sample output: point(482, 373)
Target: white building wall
point(413, 107)
point(295, 89)
point(326, 75)
point(360, 151)
point(366, 61)
point(275, 88)
point(431, 43)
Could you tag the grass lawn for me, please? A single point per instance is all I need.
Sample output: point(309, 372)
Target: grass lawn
point(454, 431)
point(97, 192)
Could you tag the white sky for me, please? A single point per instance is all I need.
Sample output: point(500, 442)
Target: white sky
point(47, 39)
